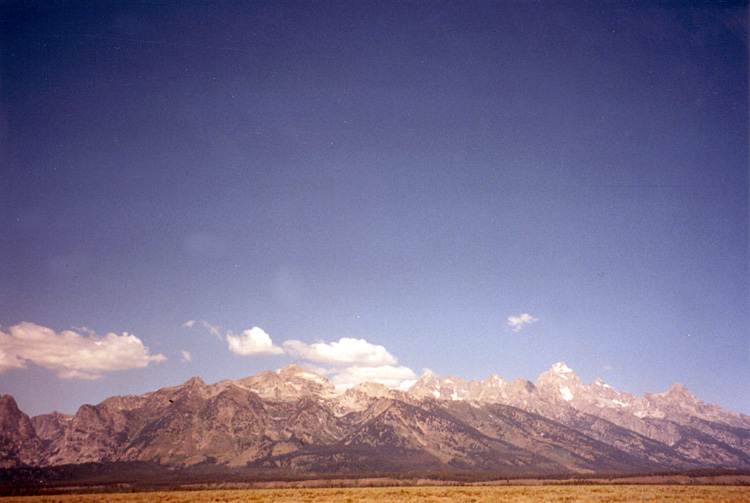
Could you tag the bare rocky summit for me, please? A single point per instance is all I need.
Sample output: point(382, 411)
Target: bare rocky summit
point(296, 421)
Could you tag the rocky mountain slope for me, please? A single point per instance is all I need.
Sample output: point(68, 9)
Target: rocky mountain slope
point(295, 421)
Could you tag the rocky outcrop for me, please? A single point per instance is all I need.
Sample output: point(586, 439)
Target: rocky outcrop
point(19, 443)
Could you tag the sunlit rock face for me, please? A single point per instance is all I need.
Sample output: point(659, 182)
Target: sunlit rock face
point(296, 420)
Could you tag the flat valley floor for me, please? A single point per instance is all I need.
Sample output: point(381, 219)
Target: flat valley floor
point(441, 494)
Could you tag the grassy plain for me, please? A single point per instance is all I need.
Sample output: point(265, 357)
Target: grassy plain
point(446, 494)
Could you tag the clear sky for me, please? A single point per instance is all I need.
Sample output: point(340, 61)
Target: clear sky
point(372, 189)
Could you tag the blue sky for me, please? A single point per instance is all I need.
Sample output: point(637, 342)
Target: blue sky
point(372, 191)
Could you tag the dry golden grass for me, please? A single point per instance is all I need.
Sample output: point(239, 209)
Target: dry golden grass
point(462, 494)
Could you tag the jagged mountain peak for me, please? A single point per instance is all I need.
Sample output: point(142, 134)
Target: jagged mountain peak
point(192, 387)
point(561, 381)
point(430, 378)
point(676, 392)
point(307, 382)
point(427, 377)
point(8, 406)
point(19, 443)
point(677, 389)
point(562, 372)
point(440, 388)
point(289, 383)
point(600, 391)
point(558, 373)
point(495, 381)
point(521, 382)
point(194, 381)
point(278, 416)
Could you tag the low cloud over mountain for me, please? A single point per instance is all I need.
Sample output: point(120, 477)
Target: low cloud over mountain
point(347, 362)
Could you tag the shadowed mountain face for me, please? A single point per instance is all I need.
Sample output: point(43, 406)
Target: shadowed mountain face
point(296, 421)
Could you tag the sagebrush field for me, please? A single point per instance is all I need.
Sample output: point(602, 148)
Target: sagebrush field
point(461, 494)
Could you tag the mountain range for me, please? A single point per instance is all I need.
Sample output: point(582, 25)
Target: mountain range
point(296, 421)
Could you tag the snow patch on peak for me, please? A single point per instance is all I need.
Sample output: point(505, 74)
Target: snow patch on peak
point(312, 377)
point(602, 384)
point(561, 368)
point(294, 371)
point(566, 394)
point(495, 381)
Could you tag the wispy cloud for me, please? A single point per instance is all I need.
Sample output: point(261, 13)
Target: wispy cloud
point(215, 331)
point(518, 322)
point(72, 354)
point(186, 356)
point(346, 351)
point(253, 342)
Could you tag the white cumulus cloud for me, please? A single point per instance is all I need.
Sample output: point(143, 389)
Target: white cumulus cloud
point(518, 322)
point(354, 361)
point(70, 353)
point(389, 375)
point(347, 351)
point(253, 342)
point(189, 324)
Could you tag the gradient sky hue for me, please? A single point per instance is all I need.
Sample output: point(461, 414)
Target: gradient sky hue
point(469, 188)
